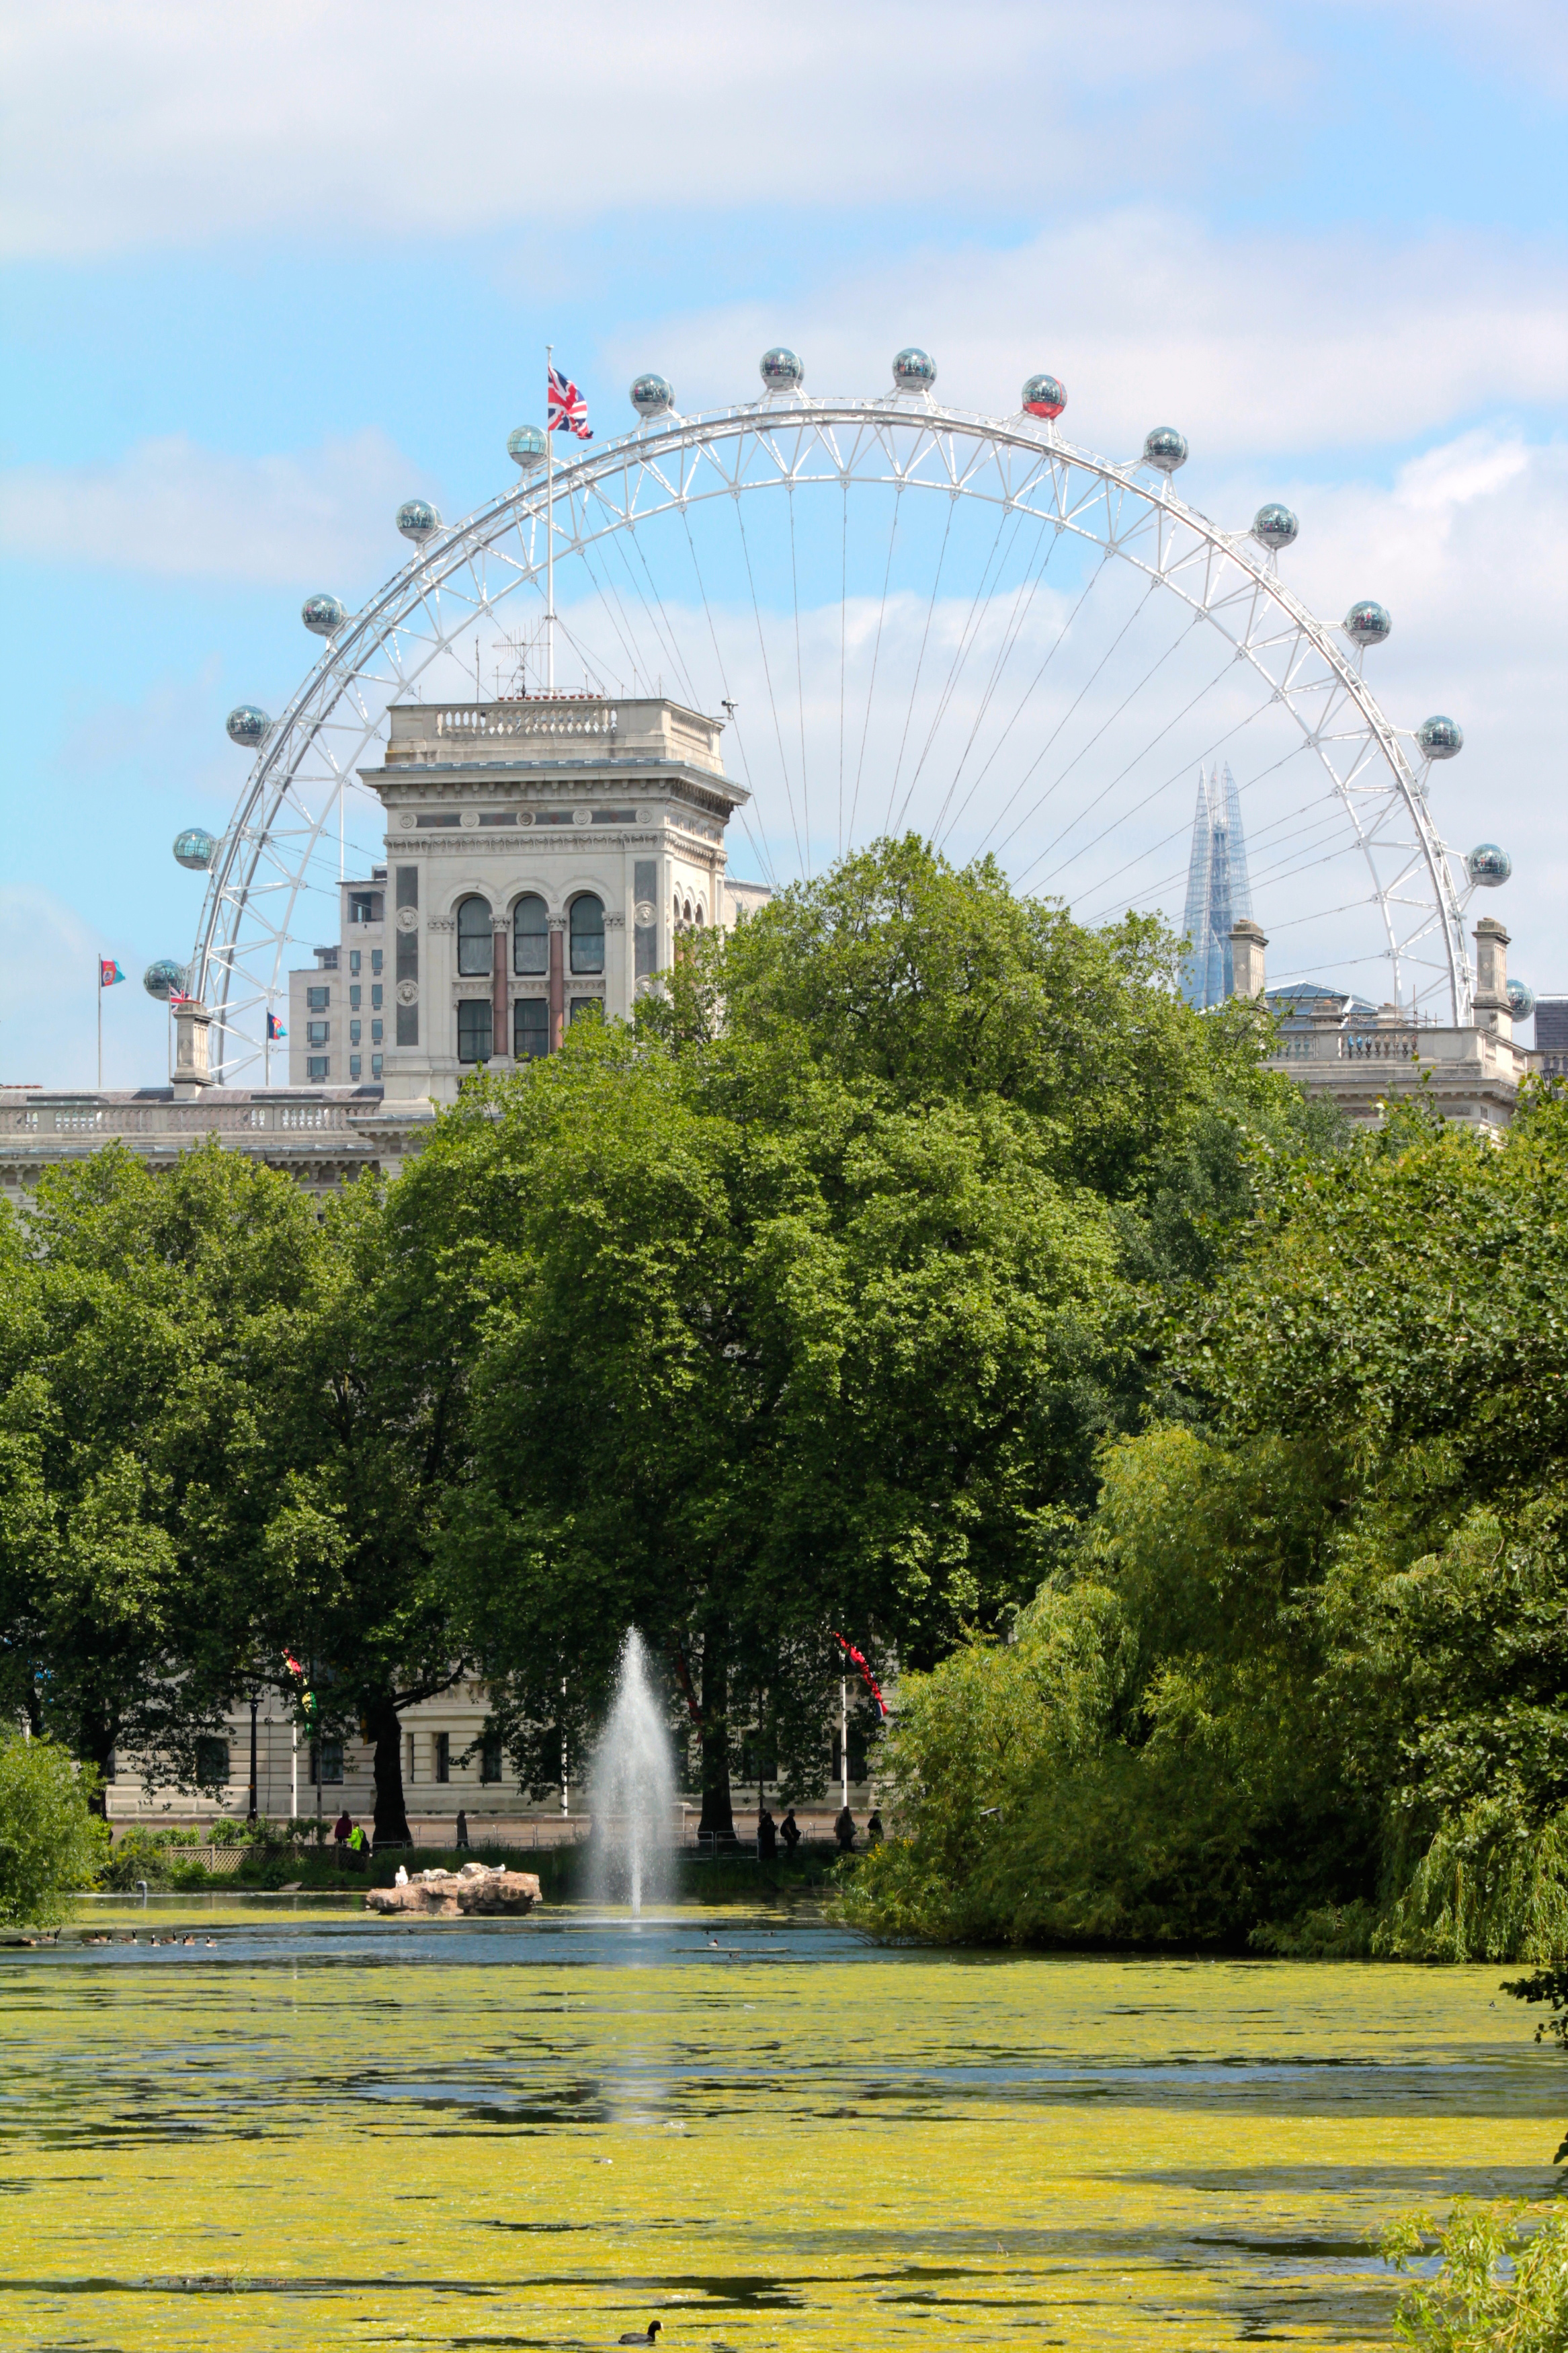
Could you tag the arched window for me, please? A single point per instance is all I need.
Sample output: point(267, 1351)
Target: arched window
point(529, 935)
point(474, 950)
point(588, 933)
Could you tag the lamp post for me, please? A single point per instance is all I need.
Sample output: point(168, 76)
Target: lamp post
point(254, 1703)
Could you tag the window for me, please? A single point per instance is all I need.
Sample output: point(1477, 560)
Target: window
point(354, 991)
point(354, 1033)
point(326, 1760)
point(442, 1743)
point(315, 1066)
point(499, 817)
point(473, 1030)
point(758, 1762)
point(375, 1063)
point(857, 1756)
point(353, 1066)
point(375, 955)
point(408, 955)
point(581, 1007)
point(318, 999)
point(529, 936)
point(376, 1029)
point(317, 1033)
point(489, 1758)
point(408, 1025)
point(475, 954)
point(408, 1757)
point(353, 964)
point(529, 1029)
point(376, 997)
point(407, 893)
point(645, 919)
point(587, 934)
point(438, 817)
point(212, 1762)
point(364, 906)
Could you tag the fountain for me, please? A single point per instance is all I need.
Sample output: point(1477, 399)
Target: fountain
point(633, 1789)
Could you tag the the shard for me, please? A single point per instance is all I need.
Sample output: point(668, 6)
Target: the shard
point(1218, 892)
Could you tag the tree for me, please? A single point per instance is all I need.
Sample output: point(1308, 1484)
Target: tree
point(142, 1318)
point(51, 1842)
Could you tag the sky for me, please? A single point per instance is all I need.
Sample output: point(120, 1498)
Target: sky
point(270, 269)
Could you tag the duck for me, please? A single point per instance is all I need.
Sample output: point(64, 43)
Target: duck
point(648, 2336)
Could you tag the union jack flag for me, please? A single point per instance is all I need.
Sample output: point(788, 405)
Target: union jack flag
point(567, 406)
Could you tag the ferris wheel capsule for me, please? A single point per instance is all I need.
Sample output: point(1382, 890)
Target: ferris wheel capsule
point(1488, 866)
point(1166, 448)
point(525, 446)
point(248, 727)
point(782, 370)
point(1275, 526)
point(418, 520)
point(195, 847)
point(1520, 1000)
point(651, 395)
point(1441, 738)
point(913, 369)
point(1045, 395)
point(323, 615)
point(164, 978)
point(1367, 623)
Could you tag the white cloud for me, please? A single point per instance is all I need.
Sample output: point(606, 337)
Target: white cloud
point(1246, 342)
point(138, 123)
point(318, 517)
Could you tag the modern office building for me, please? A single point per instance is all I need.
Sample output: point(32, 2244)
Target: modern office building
point(1218, 892)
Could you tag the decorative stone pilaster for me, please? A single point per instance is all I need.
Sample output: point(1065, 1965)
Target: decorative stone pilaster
point(1246, 946)
point(1493, 1012)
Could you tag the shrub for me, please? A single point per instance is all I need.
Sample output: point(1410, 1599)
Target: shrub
point(51, 1843)
point(1501, 2285)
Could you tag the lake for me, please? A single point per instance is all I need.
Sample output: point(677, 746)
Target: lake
point(325, 2131)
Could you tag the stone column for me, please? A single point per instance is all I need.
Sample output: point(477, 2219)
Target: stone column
point(1492, 1011)
point(1246, 946)
point(500, 1028)
point(557, 981)
point(192, 1055)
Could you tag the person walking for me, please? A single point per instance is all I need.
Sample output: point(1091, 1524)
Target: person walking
point(874, 1830)
point(462, 1830)
point(767, 1836)
point(343, 1830)
point(844, 1831)
point(789, 1830)
point(357, 1847)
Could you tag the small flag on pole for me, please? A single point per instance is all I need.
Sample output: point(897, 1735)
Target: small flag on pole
point(567, 406)
point(109, 972)
point(275, 1030)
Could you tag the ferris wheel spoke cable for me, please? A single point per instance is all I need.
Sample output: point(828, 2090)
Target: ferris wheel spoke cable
point(1152, 891)
point(765, 854)
point(966, 639)
point(1056, 647)
point(1023, 605)
point(876, 655)
point(659, 619)
point(1137, 760)
point(920, 666)
point(1036, 806)
point(773, 699)
point(799, 676)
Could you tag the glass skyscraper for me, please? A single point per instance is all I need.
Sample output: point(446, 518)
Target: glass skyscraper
point(1218, 892)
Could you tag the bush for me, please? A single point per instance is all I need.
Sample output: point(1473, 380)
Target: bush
point(51, 1843)
point(138, 1854)
point(1501, 2285)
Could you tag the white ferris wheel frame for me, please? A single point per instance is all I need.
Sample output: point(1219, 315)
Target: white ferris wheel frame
point(906, 442)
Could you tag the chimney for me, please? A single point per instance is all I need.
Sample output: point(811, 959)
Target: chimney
point(1246, 946)
point(1492, 1011)
point(192, 1068)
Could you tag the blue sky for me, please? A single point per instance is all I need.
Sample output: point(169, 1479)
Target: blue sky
point(268, 270)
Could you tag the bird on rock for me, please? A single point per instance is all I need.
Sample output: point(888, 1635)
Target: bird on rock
point(648, 2336)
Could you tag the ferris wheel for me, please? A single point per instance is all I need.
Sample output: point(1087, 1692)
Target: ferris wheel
point(915, 617)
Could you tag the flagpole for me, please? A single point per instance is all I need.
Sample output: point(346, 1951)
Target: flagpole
point(101, 1025)
point(548, 529)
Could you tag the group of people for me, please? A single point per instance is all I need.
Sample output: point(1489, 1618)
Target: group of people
point(771, 1834)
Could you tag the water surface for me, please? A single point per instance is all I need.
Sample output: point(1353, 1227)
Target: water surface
point(328, 2132)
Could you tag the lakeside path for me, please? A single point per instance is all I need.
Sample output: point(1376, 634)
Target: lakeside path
point(327, 2132)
